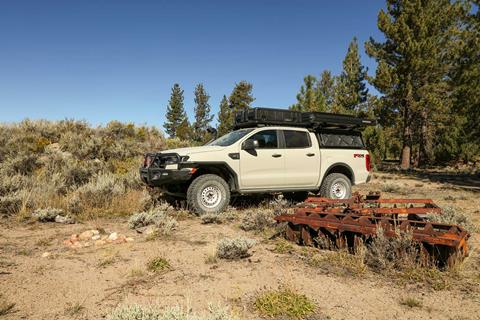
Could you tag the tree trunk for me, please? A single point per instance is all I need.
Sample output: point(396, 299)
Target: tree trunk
point(407, 140)
point(425, 151)
point(405, 160)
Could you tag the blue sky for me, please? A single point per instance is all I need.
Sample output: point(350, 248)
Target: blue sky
point(101, 60)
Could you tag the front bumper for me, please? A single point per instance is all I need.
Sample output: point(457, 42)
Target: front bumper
point(157, 177)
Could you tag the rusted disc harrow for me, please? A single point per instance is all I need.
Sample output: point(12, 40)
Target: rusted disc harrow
point(332, 224)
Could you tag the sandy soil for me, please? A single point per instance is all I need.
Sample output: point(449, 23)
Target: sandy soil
point(100, 278)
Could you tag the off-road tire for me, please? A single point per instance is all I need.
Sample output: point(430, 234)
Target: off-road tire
point(295, 197)
point(199, 189)
point(326, 190)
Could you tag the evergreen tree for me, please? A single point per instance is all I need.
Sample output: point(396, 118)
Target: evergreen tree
point(202, 113)
point(351, 92)
point(241, 96)
point(326, 87)
point(175, 111)
point(310, 98)
point(411, 72)
point(225, 117)
point(463, 139)
point(184, 130)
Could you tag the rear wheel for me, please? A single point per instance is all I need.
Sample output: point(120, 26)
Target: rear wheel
point(208, 193)
point(336, 186)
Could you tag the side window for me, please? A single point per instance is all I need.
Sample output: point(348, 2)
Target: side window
point(266, 139)
point(296, 139)
point(339, 140)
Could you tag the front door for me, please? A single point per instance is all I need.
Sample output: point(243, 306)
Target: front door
point(263, 167)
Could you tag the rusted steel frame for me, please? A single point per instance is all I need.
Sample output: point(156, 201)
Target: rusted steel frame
point(320, 200)
point(373, 210)
point(453, 236)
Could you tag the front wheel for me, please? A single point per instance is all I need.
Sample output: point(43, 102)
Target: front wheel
point(208, 193)
point(336, 186)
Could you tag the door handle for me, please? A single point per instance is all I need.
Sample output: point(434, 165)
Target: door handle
point(310, 154)
point(276, 155)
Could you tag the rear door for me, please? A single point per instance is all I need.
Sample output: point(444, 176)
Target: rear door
point(302, 158)
point(264, 167)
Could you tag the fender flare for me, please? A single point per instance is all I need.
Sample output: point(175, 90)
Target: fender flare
point(345, 167)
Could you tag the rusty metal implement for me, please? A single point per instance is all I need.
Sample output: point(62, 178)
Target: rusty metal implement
point(372, 204)
point(343, 223)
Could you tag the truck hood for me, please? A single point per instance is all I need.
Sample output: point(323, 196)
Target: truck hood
point(193, 150)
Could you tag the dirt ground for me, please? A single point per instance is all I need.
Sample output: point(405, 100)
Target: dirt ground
point(87, 283)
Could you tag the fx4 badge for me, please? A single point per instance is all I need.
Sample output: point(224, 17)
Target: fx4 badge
point(358, 155)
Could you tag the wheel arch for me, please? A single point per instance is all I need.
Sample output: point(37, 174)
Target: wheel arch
point(340, 167)
point(221, 169)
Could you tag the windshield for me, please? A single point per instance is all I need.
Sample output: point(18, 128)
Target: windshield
point(230, 138)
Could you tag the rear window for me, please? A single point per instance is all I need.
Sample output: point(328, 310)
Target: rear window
point(296, 139)
point(341, 140)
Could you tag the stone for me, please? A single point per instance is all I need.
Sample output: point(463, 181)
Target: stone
point(113, 236)
point(129, 239)
point(100, 242)
point(64, 220)
point(67, 242)
point(46, 254)
point(85, 235)
point(74, 237)
point(96, 237)
point(76, 245)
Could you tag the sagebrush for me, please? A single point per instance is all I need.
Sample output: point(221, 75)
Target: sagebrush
point(74, 167)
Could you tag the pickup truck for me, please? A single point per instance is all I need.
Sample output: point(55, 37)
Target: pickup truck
point(292, 159)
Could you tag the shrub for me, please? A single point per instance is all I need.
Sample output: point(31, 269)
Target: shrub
point(100, 190)
point(138, 312)
point(397, 252)
point(450, 215)
point(157, 216)
point(236, 248)
point(212, 218)
point(258, 220)
point(391, 188)
point(158, 264)
point(47, 215)
point(284, 302)
point(11, 203)
point(411, 302)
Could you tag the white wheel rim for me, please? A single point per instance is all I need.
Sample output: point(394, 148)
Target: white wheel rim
point(338, 190)
point(211, 196)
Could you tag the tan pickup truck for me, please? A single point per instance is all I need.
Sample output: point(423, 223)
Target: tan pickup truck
point(261, 157)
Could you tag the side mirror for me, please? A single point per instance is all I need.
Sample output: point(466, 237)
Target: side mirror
point(250, 144)
point(212, 131)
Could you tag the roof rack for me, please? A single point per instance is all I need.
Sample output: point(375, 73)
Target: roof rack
point(258, 117)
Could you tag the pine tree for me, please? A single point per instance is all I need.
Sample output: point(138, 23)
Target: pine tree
point(175, 111)
point(309, 98)
point(225, 118)
point(326, 87)
point(241, 96)
point(411, 72)
point(463, 140)
point(351, 92)
point(202, 113)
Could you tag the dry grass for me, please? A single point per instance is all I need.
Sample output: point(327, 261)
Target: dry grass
point(340, 262)
point(74, 309)
point(6, 306)
point(284, 302)
point(410, 302)
point(158, 264)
